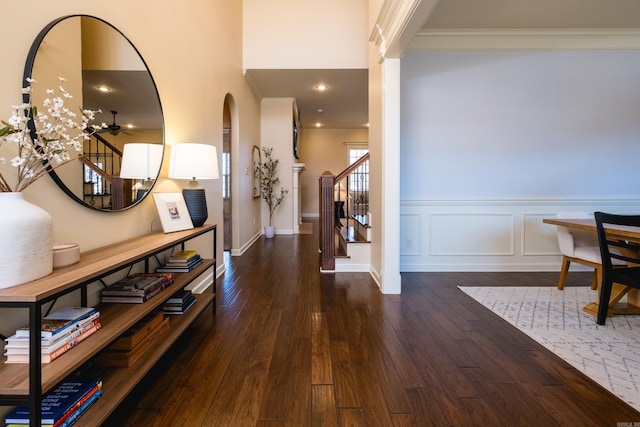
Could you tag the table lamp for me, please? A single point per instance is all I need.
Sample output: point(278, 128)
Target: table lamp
point(141, 161)
point(194, 161)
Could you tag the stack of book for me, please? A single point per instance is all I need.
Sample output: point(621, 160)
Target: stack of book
point(136, 288)
point(181, 261)
point(179, 303)
point(127, 349)
point(62, 406)
point(59, 332)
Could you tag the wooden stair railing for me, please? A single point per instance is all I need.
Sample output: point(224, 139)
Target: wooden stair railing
point(101, 152)
point(83, 159)
point(327, 205)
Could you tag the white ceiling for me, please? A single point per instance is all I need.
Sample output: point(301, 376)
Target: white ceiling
point(534, 14)
point(345, 105)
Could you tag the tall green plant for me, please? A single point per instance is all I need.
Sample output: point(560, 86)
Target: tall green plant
point(268, 170)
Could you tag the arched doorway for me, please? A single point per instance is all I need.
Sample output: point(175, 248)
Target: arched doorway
point(226, 175)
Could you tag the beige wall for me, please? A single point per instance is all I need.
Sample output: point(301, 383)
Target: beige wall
point(323, 150)
point(293, 34)
point(277, 133)
point(193, 50)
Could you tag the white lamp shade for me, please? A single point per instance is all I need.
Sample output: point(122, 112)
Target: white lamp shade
point(141, 160)
point(193, 161)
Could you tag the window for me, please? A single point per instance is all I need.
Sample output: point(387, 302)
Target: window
point(359, 180)
point(226, 175)
point(93, 179)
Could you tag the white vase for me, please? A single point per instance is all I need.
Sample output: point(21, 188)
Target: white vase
point(269, 231)
point(26, 240)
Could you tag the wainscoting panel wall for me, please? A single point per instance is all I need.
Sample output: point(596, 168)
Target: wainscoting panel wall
point(489, 235)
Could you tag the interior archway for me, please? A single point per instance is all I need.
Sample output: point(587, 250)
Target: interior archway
point(227, 176)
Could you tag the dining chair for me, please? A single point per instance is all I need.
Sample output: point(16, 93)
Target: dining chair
point(616, 250)
point(580, 247)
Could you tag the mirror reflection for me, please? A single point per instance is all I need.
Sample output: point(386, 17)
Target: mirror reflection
point(104, 72)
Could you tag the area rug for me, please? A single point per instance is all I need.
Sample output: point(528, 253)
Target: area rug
point(608, 354)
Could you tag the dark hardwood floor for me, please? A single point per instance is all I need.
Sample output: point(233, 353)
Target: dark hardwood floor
point(290, 346)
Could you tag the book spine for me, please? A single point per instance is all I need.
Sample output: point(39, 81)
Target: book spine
point(55, 404)
point(155, 288)
point(73, 343)
point(24, 332)
point(82, 324)
point(73, 335)
point(45, 350)
point(82, 409)
point(78, 404)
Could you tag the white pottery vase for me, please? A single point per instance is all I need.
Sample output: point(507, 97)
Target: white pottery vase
point(26, 240)
point(269, 231)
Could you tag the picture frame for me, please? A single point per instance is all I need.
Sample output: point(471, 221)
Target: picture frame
point(173, 212)
point(256, 159)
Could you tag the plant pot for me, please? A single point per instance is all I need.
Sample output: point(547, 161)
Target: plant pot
point(269, 231)
point(26, 247)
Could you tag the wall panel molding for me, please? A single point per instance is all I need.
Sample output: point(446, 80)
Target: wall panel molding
point(489, 234)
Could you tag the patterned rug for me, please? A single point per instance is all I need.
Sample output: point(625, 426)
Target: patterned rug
point(608, 354)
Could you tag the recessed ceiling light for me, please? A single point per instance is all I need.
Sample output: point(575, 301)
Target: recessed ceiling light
point(318, 124)
point(104, 89)
point(321, 87)
point(319, 110)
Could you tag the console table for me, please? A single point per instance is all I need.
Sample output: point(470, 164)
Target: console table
point(25, 384)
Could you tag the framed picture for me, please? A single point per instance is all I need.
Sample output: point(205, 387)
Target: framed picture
point(173, 212)
point(255, 156)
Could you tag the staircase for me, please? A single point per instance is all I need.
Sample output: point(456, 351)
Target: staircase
point(345, 233)
point(102, 186)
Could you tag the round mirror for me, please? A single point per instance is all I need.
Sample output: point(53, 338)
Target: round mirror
point(105, 72)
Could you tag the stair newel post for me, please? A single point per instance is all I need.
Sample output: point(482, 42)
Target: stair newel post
point(327, 224)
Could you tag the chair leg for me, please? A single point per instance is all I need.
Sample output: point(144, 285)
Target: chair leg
point(563, 272)
point(597, 278)
point(603, 304)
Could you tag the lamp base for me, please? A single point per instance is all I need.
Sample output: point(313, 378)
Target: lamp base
point(196, 204)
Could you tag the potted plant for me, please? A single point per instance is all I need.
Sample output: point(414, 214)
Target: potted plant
point(268, 170)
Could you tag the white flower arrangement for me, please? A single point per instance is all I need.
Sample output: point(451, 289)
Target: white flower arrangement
point(57, 134)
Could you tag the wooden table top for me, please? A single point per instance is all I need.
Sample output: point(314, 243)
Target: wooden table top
point(589, 224)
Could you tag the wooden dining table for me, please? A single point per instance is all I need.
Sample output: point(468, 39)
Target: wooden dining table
point(616, 305)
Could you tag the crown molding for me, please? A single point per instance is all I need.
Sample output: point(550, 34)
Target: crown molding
point(557, 39)
point(396, 24)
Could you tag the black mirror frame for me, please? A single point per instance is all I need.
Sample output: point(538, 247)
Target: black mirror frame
point(27, 74)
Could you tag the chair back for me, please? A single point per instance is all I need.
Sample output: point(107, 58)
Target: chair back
point(613, 248)
point(568, 240)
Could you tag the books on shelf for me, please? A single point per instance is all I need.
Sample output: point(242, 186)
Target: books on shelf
point(125, 358)
point(48, 353)
point(16, 343)
point(59, 321)
point(63, 405)
point(137, 288)
point(179, 303)
point(174, 267)
point(183, 255)
point(21, 337)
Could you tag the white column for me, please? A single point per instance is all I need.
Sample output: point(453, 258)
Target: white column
point(390, 223)
point(297, 214)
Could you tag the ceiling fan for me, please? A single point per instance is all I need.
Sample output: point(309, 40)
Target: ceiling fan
point(114, 129)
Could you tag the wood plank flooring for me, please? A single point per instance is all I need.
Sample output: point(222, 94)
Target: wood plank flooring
point(290, 346)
